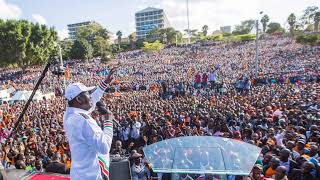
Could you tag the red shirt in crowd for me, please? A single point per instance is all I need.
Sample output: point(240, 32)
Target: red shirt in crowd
point(198, 78)
point(205, 78)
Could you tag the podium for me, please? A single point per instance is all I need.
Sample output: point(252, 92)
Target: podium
point(120, 170)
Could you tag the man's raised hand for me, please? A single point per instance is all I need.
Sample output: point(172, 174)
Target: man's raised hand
point(109, 78)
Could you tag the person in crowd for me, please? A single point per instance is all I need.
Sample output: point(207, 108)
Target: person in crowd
point(55, 166)
point(270, 170)
point(287, 162)
point(160, 96)
point(280, 173)
point(2, 167)
point(89, 144)
point(256, 173)
point(118, 149)
point(139, 171)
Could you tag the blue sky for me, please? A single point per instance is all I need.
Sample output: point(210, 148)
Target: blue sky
point(119, 14)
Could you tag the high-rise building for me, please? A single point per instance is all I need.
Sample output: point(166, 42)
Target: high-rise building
point(225, 29)
point(149, 19)
point(72, 28)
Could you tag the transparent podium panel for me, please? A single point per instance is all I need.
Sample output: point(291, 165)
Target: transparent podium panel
point(202, 155)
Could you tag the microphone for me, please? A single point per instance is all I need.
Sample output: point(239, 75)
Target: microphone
point(103, 111)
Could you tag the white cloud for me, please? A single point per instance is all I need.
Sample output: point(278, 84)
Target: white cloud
point(62, 34)
point(216, 13)
point(9, 11)
point(39, 19)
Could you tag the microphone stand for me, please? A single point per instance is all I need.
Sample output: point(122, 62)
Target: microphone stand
point(17, 124)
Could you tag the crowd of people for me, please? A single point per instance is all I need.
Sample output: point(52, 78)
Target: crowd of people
point(196, 90)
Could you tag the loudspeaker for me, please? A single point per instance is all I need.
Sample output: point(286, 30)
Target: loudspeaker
point(120, 170)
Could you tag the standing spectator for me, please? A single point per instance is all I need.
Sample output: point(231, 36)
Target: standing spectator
point(56, 166)
point(135, 132)
point(306, 172)
point(138, 170)
point(288, 163)
point(256, 173)
point(270, 170)
point(2, 168)
point(280, 173)
point(212, 79)
point(118, 149)
point(204, 80)
point(198, 81)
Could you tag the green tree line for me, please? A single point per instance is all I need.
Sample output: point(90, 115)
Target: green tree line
point(24, 44)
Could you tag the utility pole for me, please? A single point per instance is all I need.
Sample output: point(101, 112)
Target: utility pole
point(189, 41)
point(176, 39)
point(257, 48)
point(257, 45)
point(61, 65)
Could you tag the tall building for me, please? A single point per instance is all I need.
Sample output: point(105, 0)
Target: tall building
point(149, 19)
point(72, 28)
point(225, 29)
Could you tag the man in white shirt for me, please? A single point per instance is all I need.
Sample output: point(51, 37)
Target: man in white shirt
point(135, 132)
point(212, 79)
point(89, 144)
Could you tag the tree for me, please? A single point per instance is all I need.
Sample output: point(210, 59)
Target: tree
point(264, 20)
point(193, 32)
point(42, 44)
point(274, 27)
point(154, 34)
point(132, 39)
point(167, 35)
point(91, 31)
point(292, 20)
point(119, 34)
point(155, 46)
point(311, 15)
point(97, 36)
point(14, 38)
point(245, 27)
point(25, 44)
point(170, 34)
point(101, 46)
point(205, 29)
point(316, 21)
point(310, 39)
point(309, 28)
point(81, 49)
point(66, 46)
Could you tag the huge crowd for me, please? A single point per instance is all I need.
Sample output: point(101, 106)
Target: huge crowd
point(216, 89)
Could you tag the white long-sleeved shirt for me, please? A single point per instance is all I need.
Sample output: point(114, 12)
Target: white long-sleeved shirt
point(212, 77)
point(86, 140)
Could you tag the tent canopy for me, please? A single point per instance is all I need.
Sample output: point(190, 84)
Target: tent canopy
point(24, 96)
point(202, 155)
point(4, 94)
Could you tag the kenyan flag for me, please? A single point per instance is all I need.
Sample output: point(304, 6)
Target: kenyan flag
point(104, 164)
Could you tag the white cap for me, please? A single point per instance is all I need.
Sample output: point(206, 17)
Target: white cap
point(74, 89)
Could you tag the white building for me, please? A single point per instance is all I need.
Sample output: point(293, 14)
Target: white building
point(149, 19)
point(225, 29)
point(72, 28)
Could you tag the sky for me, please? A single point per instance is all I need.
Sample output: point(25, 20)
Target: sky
point(119, 14)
